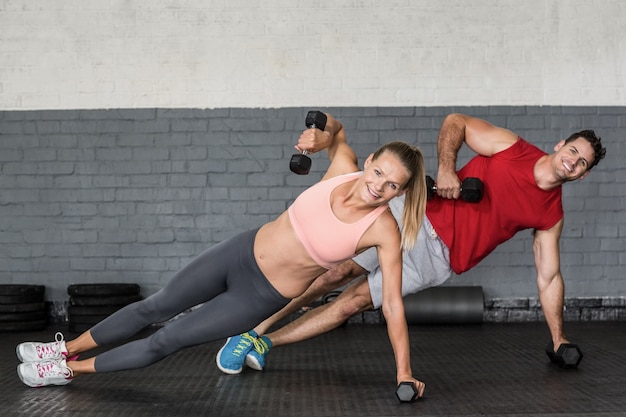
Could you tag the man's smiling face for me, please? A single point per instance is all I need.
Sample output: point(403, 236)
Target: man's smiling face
point(573, 159)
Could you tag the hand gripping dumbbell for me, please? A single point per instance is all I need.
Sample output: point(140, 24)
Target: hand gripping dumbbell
point(471, 189)
point(407, 392)
point(568, 355)
point(300, 163)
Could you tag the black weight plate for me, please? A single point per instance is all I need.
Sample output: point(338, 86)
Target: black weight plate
point(19, 289)
point(21, 299)
point(19, 308)
point(22, 326)
point(92, 310)
point(91, 290)
point(78, 319)
point(121, 300)
point(79, 328)
point(27, 316)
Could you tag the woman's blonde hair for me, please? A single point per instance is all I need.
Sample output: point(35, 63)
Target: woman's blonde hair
point(415, 197)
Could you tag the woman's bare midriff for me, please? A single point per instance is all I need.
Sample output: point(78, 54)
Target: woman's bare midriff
point(282, 258)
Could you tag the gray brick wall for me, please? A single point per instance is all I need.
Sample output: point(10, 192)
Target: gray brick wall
point(132, 195)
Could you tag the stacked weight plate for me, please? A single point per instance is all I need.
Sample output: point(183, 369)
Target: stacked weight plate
point(91, 303)
point(22, 308)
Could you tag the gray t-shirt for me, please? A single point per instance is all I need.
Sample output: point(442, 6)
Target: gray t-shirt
point(426, 265)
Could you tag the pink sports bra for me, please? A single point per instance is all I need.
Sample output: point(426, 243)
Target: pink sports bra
point(328, 240)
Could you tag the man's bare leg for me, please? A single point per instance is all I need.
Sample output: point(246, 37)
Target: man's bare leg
point(355, 299)
point(328, 281)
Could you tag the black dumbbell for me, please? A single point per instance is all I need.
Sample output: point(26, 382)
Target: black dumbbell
point(407, 392)
point(568, 355)
point(300, 163)
point(471, 189)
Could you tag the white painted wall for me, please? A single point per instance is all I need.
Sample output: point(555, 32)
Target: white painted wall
point(87, 54)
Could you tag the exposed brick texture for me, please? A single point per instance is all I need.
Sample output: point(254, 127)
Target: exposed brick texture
point(133, 195)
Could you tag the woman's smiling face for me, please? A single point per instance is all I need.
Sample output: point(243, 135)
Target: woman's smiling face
point(384, 178)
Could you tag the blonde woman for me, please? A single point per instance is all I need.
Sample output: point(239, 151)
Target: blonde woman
point(244, 280)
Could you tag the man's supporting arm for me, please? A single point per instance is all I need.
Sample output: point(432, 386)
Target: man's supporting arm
point(549, 280)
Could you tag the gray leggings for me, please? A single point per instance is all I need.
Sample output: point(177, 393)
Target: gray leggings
point(225, 279)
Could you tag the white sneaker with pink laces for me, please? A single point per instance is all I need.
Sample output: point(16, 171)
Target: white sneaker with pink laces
point(40, 374)
point(40, 352)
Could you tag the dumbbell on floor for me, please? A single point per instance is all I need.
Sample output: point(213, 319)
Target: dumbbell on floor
point(471, 189)
point(568, 355)
point(407, 392)
point(300, 163)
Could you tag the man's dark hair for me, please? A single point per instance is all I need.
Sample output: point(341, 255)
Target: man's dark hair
point(594, 140)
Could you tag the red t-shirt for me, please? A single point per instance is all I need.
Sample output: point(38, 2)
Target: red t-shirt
point(511, 202)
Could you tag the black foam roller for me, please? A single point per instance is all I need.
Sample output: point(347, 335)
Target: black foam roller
point(445, 305)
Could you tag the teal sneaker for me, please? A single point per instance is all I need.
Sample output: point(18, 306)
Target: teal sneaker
point(232, 355)
point(255, 359)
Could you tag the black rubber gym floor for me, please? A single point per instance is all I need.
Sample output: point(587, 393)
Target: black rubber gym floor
point(472, 370)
